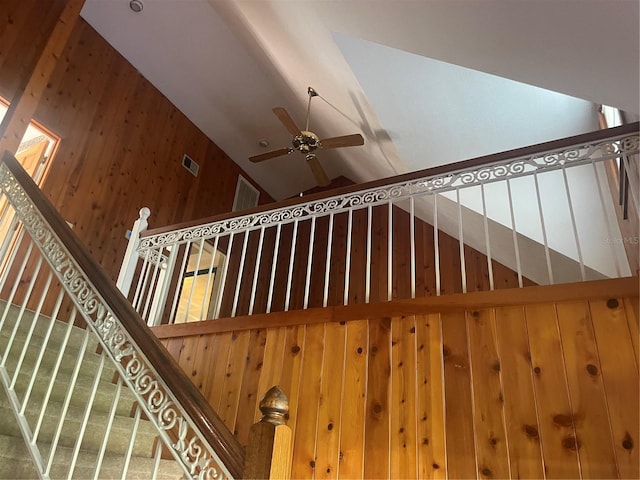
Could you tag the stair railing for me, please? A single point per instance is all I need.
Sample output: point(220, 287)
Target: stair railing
point(536, 215)
point(94, 393)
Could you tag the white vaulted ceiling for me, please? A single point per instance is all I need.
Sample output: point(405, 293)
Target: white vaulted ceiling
point(426, 82)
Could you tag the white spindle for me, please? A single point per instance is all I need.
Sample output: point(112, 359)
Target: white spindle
point(223, 280)
point(164, 285)
point(240, 274)
point(367, 279)
point(412, 233)
point(14, 288)
point(154, 287)
point(23, 307)
point(436, 243)
point(463, 267)
point(129, 452)
point(142, 280)
point(390, 251)
point(67, 400)
point(156, 460)
point(347, 268)
point(85, 417)
point(32, 327)
point(327, 267)
point(43, 348)
point(486, 237)
point(107, 432)
point(207, 297)
point(274, 265)
point(515, 235)
point(605, 213)
point(574, 226)
point(294, 241)
point(54, 374)
point(634, 181)
point(196, 269)
point(547, 254)
point(176, 295)
point(256, 271)
point(307, 281)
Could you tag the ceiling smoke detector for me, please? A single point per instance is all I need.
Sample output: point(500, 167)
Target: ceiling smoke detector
point(136, 6)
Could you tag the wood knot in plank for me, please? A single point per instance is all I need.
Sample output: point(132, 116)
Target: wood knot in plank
point(563, 420)
point(486, 472)
point(627, 442)
point(612, 303)
point(592, 370)
point(571, 443)
point(531, 431)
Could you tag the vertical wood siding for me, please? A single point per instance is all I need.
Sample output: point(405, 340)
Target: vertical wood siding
point(316, 247)
point(122, 141)
point(546, 389)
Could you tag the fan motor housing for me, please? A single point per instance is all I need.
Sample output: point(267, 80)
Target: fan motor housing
point(306, 141)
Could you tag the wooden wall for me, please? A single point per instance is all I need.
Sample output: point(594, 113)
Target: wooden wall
point(122, 141)
point(476, 265)
point(532, 389)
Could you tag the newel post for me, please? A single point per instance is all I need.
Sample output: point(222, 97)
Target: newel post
point(268, 453)
point(128, 268)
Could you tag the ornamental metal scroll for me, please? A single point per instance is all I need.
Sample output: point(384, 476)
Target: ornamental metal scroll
point(194, 454)
point(611, 148)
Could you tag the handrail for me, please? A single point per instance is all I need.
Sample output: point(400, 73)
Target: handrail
point(210, 426)
point(538, 149)
point(567, 292)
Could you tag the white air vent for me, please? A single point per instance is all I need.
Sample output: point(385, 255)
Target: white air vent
point(190, 164)
point(246, 195)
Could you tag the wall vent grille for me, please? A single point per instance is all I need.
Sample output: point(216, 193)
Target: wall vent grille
point(246, 195)
point(190, 164)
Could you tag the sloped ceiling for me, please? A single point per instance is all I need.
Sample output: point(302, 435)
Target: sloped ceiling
point(426, 82)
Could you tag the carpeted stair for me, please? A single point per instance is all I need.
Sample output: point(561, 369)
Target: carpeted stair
point(15, 459)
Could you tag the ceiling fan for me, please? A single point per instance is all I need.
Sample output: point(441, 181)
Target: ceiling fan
point(306, 142)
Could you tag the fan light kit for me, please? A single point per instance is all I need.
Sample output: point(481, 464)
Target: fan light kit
point(306, 142)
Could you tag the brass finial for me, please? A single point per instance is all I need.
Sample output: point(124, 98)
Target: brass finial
point(274, 406)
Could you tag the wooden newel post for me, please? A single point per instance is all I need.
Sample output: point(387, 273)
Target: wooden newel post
point(268, 453)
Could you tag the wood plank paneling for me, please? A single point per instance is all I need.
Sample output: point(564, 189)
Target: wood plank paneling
point(249, 399)
point(458, 397)
point(588, 401)
point(523, 436)
point(330, 404)
point(355, 390)
point(304, 447)
point(547, 389)
point(377, 428)
point(556, 420)
point(430, 385)
point(620, 380)
point(122, 141)
point(404, 462)
point(488, 397)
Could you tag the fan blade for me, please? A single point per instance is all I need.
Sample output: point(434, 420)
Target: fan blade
point(318, 172)
point(344, 141)
point(266, 156)
point(286, 120)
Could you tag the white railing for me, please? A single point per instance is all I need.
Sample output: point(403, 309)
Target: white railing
point(93, 392)
point(541, 215)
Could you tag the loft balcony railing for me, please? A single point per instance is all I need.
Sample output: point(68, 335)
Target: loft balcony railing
point(544, 214)
point(94, 393)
